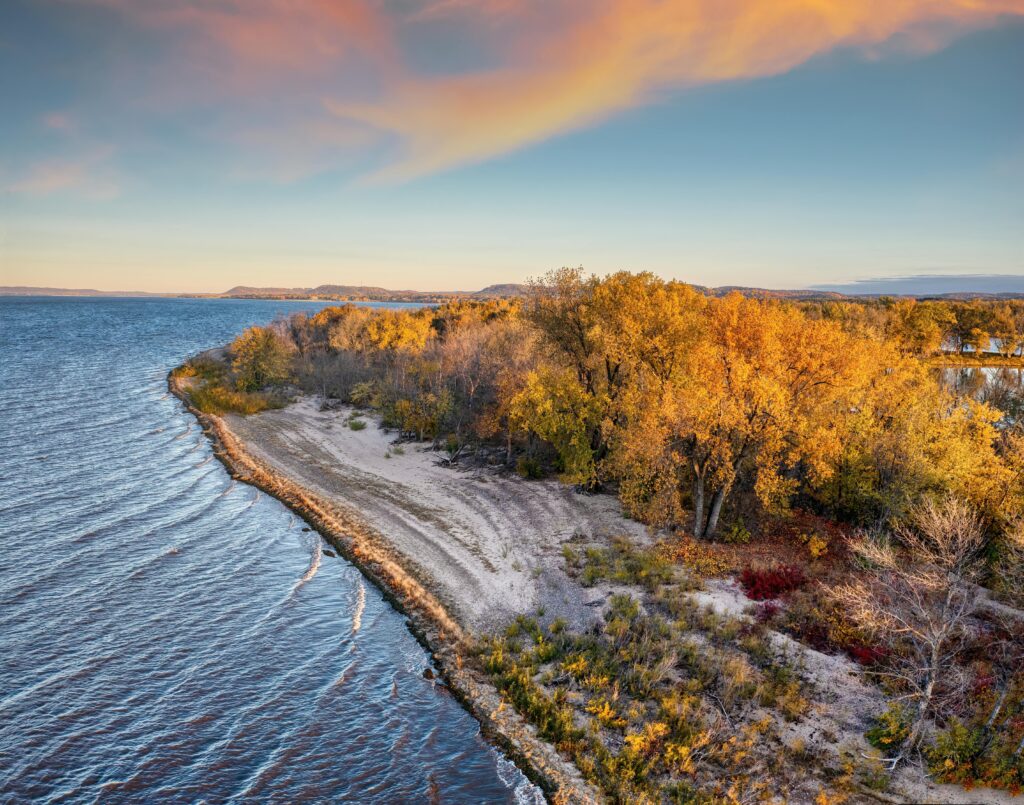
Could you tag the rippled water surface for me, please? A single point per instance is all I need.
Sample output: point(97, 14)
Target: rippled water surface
point(167, 634)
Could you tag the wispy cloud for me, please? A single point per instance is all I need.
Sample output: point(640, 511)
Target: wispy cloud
point(540, 67)
point(85, 175)
point(59, 122)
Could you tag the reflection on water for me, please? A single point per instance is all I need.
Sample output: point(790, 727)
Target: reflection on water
point(1001, 387)
point(167, 634)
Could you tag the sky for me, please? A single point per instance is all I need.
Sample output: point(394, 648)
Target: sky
point(194, 145)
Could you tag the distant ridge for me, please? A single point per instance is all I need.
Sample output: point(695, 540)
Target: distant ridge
point(946, 286)
point(24, 290)
point(925, 286)
point(366, 293)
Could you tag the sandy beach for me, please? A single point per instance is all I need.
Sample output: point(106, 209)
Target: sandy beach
point(487, 544)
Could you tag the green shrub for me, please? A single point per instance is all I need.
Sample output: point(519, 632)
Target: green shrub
point(737, 534)
point(891, 729)
point(529, 468)
point(357, 424)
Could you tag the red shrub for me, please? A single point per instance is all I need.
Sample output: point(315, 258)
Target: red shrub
point(763, 585)
point(766, 611)
point(865, 655)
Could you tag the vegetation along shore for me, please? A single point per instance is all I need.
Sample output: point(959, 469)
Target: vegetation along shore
point(670, 547)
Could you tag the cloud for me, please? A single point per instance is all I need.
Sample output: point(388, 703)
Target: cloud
point(85, 176)
point(534, 69)
point(59, 122)
point(610, 56)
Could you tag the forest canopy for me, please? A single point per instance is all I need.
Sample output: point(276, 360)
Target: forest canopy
point(694, 410)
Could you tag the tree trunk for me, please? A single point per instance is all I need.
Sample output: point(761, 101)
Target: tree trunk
point(997, 709)
point(698, 506)
point(713, 515)
point(923, 706)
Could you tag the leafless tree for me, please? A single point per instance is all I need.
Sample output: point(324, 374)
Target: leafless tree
point(919, 590)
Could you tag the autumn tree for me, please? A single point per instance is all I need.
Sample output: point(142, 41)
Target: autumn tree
point(762, 393)
point(608, 339)
point(918, 328)
point(261, 357)
point(906, 437)
point(919, 589)
point(971, 325)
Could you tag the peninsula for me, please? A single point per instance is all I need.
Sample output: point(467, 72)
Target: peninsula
point(628, 519)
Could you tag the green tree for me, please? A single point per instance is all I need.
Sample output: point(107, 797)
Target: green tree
point(261, 358)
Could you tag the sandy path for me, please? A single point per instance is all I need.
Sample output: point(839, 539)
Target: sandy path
point(489, 546)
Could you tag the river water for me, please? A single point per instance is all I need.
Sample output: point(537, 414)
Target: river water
point(167, 634)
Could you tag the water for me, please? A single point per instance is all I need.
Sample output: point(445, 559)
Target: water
point(1001, 387)
point(167, 634)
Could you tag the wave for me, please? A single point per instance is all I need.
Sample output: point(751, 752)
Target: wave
point(357, 616)
point(314, 566)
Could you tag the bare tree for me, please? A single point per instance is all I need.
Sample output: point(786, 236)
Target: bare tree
point(920, 590)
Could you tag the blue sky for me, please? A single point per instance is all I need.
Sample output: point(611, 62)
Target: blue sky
point(169, 152)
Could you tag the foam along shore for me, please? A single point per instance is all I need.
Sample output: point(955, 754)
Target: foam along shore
point(454, 560)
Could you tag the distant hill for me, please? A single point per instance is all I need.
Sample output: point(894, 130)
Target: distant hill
point(23, 290)
point(947, 286)
point(367, 293)
point(992, 286)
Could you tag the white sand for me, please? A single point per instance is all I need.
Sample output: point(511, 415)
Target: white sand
point(488, 545)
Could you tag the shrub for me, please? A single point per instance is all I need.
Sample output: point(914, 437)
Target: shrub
point(817, 546)
point(216, 399)
point(766, 611)
point(702, 558)
point(891, 729)
point(968, 756)
point(529, 468)
point(202, 367)
point(357, 424)
point(737, 534)
point(865, 654)
point(624, 564)
point(763, 585)
point(605, 713)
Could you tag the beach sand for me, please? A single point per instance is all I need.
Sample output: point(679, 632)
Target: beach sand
point(487, 544)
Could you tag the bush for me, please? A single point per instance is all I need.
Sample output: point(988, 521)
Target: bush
point(763, 585)
point(624, 564)
point(737, 534)
point(357, 424)
point(202, 367)
point(866, 655)
point(216, 399)
point(891, 730)
point(971, 756)
point(529, 468)
point(703, 558)
point(766, 611)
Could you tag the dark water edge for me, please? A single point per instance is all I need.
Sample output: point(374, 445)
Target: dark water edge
point(168, 634)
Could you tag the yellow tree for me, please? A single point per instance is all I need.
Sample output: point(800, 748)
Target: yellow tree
point(764, 392)
point(907, 437)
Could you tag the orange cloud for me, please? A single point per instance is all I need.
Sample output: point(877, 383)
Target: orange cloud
point(531, 69)
point(614, 54)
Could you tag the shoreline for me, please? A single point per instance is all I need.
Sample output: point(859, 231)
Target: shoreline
point(427, 618)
